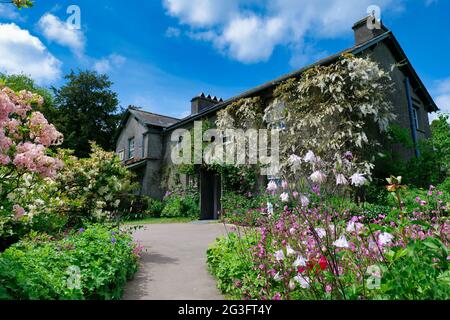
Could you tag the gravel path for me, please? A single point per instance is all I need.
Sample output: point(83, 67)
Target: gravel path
point(174, 264)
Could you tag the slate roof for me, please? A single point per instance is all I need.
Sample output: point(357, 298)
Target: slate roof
point(152, 119)
point(391, 41)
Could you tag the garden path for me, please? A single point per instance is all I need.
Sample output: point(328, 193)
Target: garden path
point(173, 265)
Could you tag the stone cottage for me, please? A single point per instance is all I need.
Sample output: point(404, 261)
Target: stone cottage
point(144, 140)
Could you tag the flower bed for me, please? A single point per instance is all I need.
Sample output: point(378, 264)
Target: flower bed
point(91, 263)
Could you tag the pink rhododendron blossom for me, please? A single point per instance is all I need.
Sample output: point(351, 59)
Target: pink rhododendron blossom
point(32, 157)
point(43, 132)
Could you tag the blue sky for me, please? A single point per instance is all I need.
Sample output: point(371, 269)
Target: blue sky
point(161, 53)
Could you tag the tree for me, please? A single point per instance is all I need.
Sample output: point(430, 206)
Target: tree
point(88, 111)
point(22, 3)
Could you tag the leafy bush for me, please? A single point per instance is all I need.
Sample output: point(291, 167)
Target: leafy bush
point(154, 207)
point(232, 270)
point(183, 203)
point(38, 268)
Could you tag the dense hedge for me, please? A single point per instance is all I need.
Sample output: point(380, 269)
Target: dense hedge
point(41, 269)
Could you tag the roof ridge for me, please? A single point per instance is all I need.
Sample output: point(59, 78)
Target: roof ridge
point(152, 113)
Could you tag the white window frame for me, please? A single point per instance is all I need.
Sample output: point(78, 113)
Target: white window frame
point(121, 155)
point(131, 148)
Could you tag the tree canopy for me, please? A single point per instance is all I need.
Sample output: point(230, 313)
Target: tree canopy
point(87, 111)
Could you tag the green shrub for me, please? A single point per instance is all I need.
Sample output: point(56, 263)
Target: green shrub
point(38, 268)
point(173, 207)
point(232, 271)
point(181, 204)
point(154, 207)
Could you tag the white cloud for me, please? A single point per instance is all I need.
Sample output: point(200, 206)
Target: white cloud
point(9, 12)
point(60, 32)
point(250, 30)
point(172, 32)
point(107, 64)
point(441, 93)
point(22, 52)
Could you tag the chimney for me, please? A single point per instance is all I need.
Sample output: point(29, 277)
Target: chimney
point(203, 102)
point(368, 29)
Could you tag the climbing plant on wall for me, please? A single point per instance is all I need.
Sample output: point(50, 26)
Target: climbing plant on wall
point(329, 110)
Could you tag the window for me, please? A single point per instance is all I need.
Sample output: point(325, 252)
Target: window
point(121, 155)
point(131, 148)
point(416, 116)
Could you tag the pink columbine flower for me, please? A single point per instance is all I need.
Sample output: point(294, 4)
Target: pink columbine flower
point(318, 177)
point(284, 197)
point(279, 255)
point(304, 201)
point(341, 243)
point(341, 180)
point(272, 186)
point(385, 238)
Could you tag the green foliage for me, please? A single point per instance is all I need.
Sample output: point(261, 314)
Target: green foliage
point(20, 4)
point(433, 165)
point(181, 204)
point(39, 268)
point(419, 271)
point(231, 266)
point(154, 207)
point(87, 111)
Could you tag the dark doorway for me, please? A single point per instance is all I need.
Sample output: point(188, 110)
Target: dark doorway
point(210, 193)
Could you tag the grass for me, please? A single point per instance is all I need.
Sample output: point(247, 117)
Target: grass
point(160, 221)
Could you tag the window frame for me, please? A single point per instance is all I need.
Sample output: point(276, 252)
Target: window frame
point(131, 151)
point(121, 155)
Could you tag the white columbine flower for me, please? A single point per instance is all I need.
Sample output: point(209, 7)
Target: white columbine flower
point(310, 157)
point(295, 161)
point(289, 251)
point(284, 197)
point(321, 232)
point(385, 238)
point(303, 281)
point(341, 180)
point(277, 277)
point(279, 255)
point(358, 179)
point(304, 200)
point(272, 186)
point(269, 208)
point(299, 262)
point(318, 177)
point(341, 242)
point(354, 227)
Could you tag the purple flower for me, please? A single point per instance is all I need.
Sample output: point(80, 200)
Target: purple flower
point(113, 240)
point(81, 230)
point(113, 233)
point(348, 155)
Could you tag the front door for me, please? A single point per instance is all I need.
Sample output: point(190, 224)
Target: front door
point(210, 193)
